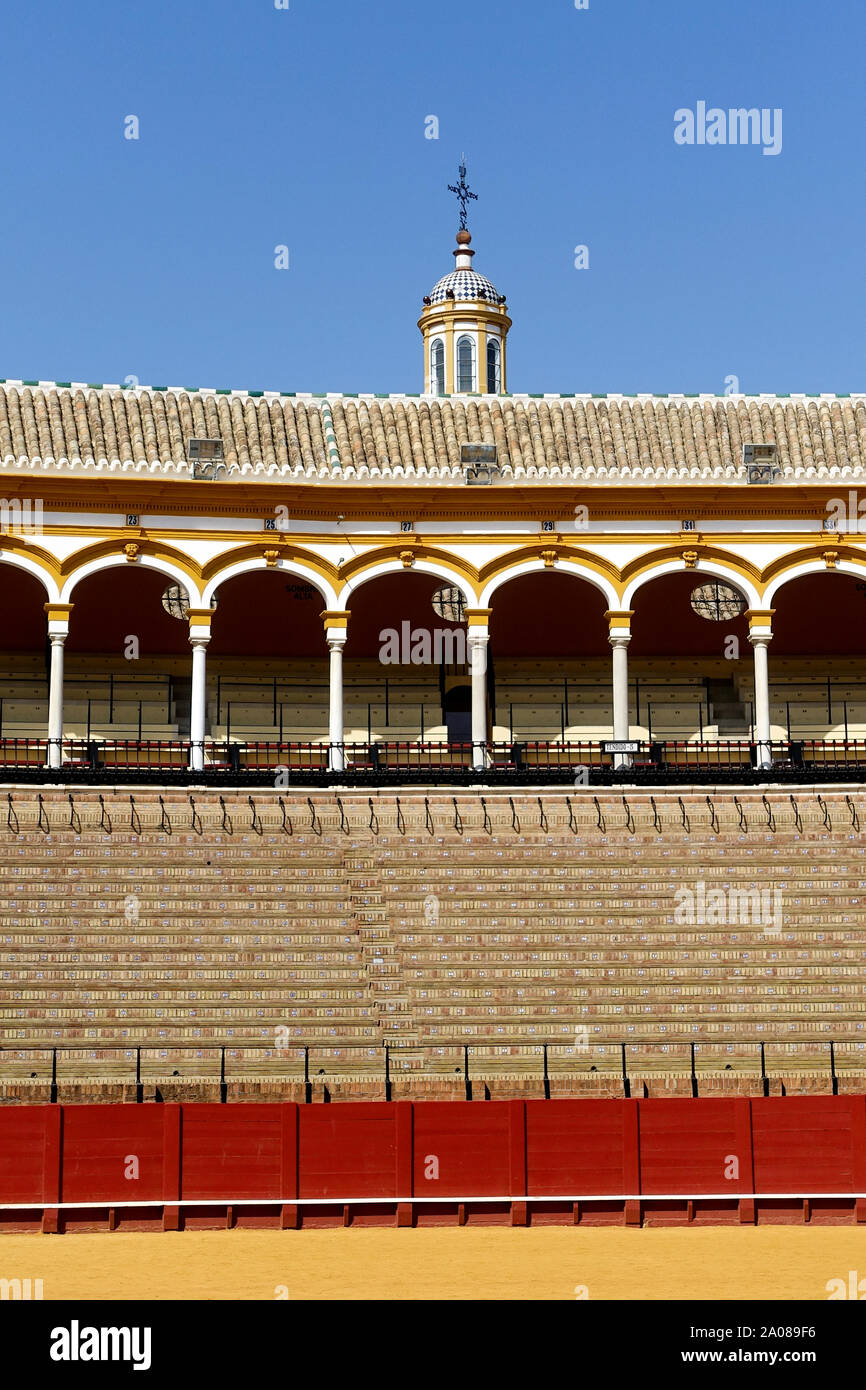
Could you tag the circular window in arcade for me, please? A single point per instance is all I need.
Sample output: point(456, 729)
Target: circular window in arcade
point(450, 604)
point(175, 601)
point(718, 603)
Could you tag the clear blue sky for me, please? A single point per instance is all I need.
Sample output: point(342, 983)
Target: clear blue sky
point(306, 128)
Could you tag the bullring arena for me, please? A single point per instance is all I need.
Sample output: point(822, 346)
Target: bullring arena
point(431, 838)
point(576, 1104)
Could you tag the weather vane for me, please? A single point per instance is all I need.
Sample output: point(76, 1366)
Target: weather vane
point(463, 192)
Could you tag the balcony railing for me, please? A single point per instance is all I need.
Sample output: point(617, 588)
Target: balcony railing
point(282, 763)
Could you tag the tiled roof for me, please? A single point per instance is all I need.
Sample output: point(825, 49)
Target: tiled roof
point(464, 285)
point(596, 439)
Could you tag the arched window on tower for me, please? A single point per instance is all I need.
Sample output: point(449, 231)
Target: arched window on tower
point(465, 364)
point(494, 370)
point(437, 367)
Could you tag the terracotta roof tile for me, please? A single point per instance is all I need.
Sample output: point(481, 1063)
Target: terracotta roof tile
point(647, 439)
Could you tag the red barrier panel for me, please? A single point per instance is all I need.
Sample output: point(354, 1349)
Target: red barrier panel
point(775, 1159)
point(581, 1146)
point(704, 1147)
point(234, 1149)
point(348, 1151)
point(22, 1153)
point(106, 1162)
point(462, 1150)
point(817, 1135)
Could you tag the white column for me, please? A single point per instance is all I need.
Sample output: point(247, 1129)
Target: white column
point(620, 687)
point(477, 639)
point(58, 631)
point(619, 636)
point(55, 696)
point(336, 632)
point(336, 733)
point(199, 636)
point(760, 636)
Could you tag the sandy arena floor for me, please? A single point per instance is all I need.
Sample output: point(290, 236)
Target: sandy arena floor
point(463, 1263)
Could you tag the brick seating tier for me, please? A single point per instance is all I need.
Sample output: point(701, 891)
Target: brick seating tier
point(444, 923)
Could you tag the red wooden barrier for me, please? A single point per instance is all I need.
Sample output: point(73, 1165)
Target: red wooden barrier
point(791, 1158)
point(348, 1151)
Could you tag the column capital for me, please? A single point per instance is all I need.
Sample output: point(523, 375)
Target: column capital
point(199, 626)
point(477, 617)
point(336, 621)
point(58, 620)
point(760, 624)
point(619, 626)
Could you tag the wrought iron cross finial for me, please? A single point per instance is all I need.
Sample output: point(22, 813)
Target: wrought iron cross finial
point(463, 192)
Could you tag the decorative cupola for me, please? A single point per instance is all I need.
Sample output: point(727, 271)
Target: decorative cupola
point(464, 323)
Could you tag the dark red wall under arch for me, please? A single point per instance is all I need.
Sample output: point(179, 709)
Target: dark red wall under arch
point(23, 621)
point(272, 614)
point(388, 602)
point(820, 615)
point(268, 613)
point(665, 624)
point(548, 614)
point(120, 602)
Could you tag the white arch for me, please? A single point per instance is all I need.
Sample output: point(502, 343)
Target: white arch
point(24, 562)
point(421, 566)
point(148, 562)
point(711, 567)
point(563, 566)
point(253, 563)
point(816, 566)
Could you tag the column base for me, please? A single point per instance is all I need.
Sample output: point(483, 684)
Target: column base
point(336, 758)
point(764, 755)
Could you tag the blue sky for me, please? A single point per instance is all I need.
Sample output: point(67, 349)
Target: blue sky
point(305, 127)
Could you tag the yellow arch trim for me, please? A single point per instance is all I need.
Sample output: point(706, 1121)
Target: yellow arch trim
point(812, 554)
point(41, 558)
point(288, 552)
point(371, 559)
point(645, 564)
point(155, 550)
point(503, 563)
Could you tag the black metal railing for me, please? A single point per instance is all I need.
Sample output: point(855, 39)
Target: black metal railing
point(580, 762)
point(382, 1062)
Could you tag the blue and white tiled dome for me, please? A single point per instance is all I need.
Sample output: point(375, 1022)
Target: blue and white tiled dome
point(466, 284)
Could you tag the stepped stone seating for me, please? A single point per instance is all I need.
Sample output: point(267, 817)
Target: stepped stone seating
point(23, 696)
point(14, 688)
point(244, 707)
point(181, 926)
point(799, 686)
point(108, 708)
